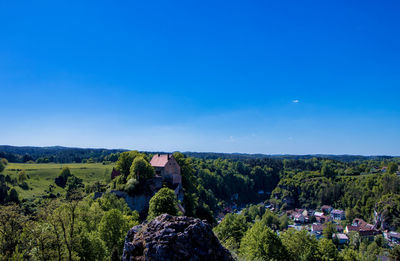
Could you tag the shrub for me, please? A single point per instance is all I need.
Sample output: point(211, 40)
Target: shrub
point(131, 185)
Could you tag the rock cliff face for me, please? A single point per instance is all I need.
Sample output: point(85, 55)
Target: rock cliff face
point(174, 238)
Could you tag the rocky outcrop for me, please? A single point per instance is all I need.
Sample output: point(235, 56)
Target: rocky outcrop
point(174, 238)
point(136, 202)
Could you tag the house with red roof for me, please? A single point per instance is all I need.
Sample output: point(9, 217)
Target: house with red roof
point(167, 167)
point(342, 238)
point(168, 170)
point(363, 228)
point(321, 218)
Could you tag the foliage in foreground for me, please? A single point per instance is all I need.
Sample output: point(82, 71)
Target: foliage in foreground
point(65, 230)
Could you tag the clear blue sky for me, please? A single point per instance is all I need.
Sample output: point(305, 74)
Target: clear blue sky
point(269, 77)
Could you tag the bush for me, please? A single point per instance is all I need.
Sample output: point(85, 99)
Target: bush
point(131, 185)
point(61, 180)
point(24, 186)
point(2, 166)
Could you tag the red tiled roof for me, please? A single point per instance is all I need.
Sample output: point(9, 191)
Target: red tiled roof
point(352, 228)
point(317, 227)
point(298, 215)
point(368, 232)
point(160, 160)
point(363, 228)
point(359, 222)
point(326, 218)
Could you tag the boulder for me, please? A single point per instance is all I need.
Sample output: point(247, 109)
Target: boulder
point(174, 238)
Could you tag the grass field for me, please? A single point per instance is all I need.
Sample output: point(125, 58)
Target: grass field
point(43, 175)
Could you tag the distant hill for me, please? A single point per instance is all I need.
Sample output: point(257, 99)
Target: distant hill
point(243, 156)
point(60, 154)
point(55, 154)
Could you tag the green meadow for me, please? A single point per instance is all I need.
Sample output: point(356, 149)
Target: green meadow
point(41, 176)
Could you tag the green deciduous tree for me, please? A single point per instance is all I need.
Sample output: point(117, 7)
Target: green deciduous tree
point(329, 230)
point(61, 180)
point(66, 219)
point(22, 177)
point(91, 247)
point(395, 253)
point(349, 254)
point(113, 228)
point(2, 166)
point(4, 161)
point(327, 170)
point(261, 243)
point(231, 230)
point(392, 167)
point(13, 196)
point(12, 223)
point(124, 162)
point(110, 201)
point(74, 183)
point(271, 220)
point(300, 245)
point(164, 201)
point(328, 251)
point(130, 185)
point(141, 169)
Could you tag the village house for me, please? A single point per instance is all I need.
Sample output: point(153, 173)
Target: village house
point(338, 214)
point(299, 218)
point(392, 237)
point(342, 238)
point(317, 229)
point(298, 215)
point(321, 218)
point(363, 228)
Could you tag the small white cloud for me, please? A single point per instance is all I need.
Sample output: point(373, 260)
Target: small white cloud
point(231, 139)
point(296, 101)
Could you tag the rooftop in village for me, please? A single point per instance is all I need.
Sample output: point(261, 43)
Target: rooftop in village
point(160, 160)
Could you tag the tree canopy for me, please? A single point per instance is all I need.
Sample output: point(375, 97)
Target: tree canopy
point(261, 243)
point(141, 169)
point(164, 201)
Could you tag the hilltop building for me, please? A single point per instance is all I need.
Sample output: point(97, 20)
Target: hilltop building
point(168, 173)
point(167, 167)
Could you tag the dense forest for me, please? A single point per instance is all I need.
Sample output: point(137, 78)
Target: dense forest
point(69, 222)
point(58, 154)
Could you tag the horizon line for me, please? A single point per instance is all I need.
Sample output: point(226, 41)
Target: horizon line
point(210, 152)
